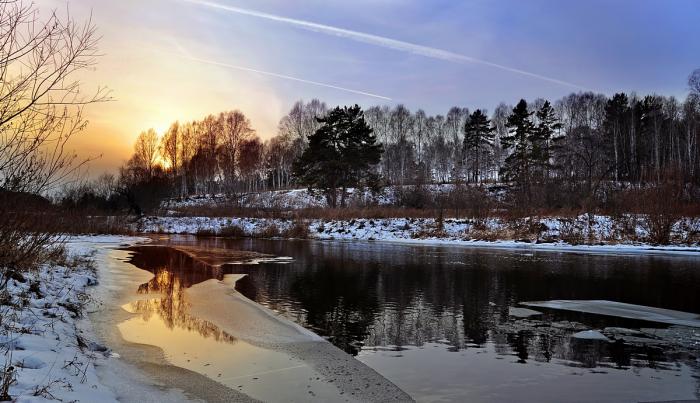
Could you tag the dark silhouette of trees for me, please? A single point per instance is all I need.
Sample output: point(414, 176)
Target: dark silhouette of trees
point(236, 130)
point(341, 154)
point(170, 145)
point(146, 151)
point(576, 150)
point(545, 132)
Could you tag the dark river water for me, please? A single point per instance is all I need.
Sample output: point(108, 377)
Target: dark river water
point(435, 320)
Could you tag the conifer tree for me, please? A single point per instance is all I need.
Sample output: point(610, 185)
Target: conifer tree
point(478, 137)
point(517, 167)
point(340, 154)
point(541, 138)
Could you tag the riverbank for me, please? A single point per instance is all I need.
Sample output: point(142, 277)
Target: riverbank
point(75, 332)
point(169, 318)
point(50, 349)
point(594, 233)
point(62, 340)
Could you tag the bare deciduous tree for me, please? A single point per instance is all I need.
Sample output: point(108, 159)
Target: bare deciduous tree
point(694, 82)
point(236, 130)
point(170, 148)
point(41, 108)
point(41, 102)
point(146, 151)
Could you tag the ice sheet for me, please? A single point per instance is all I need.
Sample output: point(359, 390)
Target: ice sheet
point(622, 310)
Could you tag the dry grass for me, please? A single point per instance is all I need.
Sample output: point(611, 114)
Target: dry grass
point(232, 231)
point(79, 224)
point(7, 379)
point(269, 231)
point(330, 214)
point(298, 230)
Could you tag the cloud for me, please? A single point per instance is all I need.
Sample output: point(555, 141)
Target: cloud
point(377, 40)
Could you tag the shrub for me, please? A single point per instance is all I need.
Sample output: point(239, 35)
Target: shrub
point(298, 230)
point(270, 231)
point(321, 228)
point(232, 231)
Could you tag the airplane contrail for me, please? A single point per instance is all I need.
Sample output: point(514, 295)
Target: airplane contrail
point(186, 55)
point(380, 41)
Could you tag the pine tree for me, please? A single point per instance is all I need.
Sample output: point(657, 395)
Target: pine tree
point(517, 165)
point(541, 138)
point(478, 135)
point(340, 154)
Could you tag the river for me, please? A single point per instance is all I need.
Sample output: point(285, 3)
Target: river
point(445, 324)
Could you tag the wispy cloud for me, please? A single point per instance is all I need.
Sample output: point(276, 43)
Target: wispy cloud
point(380, 41)
point(185, 54)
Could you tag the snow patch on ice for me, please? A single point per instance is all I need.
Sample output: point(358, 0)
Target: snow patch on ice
point(590, 335)
point(622, 310)
point(522, 312)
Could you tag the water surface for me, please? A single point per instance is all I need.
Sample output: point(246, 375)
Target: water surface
point(435, 320)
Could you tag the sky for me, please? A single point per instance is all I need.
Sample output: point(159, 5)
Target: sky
point(168, 60)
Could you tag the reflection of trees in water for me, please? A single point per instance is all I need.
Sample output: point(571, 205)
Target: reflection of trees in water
point(370, 295)
point(189, 271)
point(169, 283)
point(366, 298)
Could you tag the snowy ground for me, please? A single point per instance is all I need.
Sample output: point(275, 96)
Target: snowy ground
point(43, 333)
point(586, 232)
point(301, 198)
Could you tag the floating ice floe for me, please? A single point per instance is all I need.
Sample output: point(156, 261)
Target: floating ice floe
point(590, 335)
point(522, 312)
point(622, 310)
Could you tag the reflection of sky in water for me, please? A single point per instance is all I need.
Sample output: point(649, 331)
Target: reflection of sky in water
point(162, 319)
point(170, 306)
point(389, 302)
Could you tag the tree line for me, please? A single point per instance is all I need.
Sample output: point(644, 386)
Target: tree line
point(578, 147)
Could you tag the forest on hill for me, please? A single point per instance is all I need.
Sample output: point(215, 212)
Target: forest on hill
point(584, 151)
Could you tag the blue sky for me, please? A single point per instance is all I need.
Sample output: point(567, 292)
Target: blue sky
point(606, 46)
point(171, 59)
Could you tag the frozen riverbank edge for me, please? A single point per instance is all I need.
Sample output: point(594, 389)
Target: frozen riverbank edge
point(347, 378)
point(62, 352)
point(66, 352)
point(597, 234)
point(48, 338)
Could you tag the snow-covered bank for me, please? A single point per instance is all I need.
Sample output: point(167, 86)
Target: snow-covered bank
point(286, 199)
point(583, 233)
point(44, 336)
point(295, 199)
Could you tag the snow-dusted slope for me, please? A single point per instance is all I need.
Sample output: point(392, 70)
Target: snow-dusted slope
point(586, 232)
point(43, 335)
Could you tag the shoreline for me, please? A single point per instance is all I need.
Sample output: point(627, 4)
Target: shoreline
point(276, 343)
point(624, 249)
point(123, 369)
point(141, 372)
point(249, 322)
point(403, 231)
point(64, 357)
